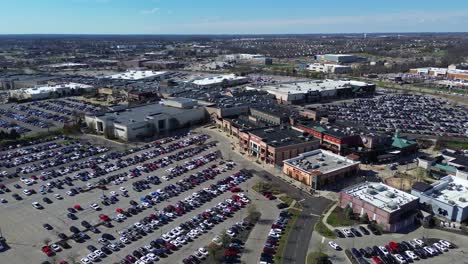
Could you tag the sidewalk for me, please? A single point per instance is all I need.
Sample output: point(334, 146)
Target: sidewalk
point(325, 216)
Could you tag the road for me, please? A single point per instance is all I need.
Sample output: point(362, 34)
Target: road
point(298, 243)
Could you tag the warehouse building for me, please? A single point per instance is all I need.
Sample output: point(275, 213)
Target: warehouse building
point(395, 210)
point(141, 122)
point(319, 168)
point(337, 58)
point(220, 81)
point(329, 68)
point(138, 75)
point(316, 91)
point(447, 198)
point(44, 92)
point(449, 162)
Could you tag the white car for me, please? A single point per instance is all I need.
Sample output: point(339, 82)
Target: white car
point(446, 243)
point(419, 242)
point(95, 206)
point(347, 232)
point(384, 250)
point(27, 192)
point(203, 251)
point(138, 225)
point(99, 253)
point(37, 205)
point(58, 196)
point(92, 256)
point(430, 250)
point(122, 189)
point(55, 248)
point(399, 258)
point(411, 255)
point(334, 245)
point(86, 261)
point(124, 240)
point(152, 256)
point(440, 247)
point(70, 193)
point(216, 240)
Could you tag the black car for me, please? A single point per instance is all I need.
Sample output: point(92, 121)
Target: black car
point(282, 206)
point(137, 254)
point(364, 230)
point(71, 216)
point(355, 232)
point(338, 233)
point(47, 226)
point(46, 200)
point(74, 229)
point(106, 250)
point(62, 236)
point(91, 248)
point(17, 197)
point(71, 210)
point(85, 224)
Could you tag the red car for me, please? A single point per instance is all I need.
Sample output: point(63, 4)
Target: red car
point(236, 189)
point(47, 250)
point(63, 262)
point(393, 247)
point(230, 253)
point(119, 210)
point(131, 258)
point(269, 250)
point(104, 217)
point(78, 207)
point(376, 260)
point(235, 197)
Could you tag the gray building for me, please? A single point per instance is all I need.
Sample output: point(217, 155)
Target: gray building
point(338, 58)
point(447, 198)
point(145, 121)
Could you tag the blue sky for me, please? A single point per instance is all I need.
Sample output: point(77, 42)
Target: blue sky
point(230, 16)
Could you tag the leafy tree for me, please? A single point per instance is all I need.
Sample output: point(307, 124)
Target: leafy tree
point(348, 212)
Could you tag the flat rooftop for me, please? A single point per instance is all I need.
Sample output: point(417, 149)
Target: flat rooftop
point(310, 86)
point(280, 136)
point(380, 195)
point(218, 79)
point(137, 75)
point(320, 161)
point(451, 190)
point(48, 89)
point(141, 113)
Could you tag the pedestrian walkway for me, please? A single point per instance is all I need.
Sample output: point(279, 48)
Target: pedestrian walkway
point(325, 216)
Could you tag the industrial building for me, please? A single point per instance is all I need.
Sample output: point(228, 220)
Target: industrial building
point(146, 121)
point(317, 90)
point(44, 92)
point(273, 145)
point(337, 58)
point(395, 210)
point(447, 198)
point(220, 81)
point(249, 58)
point(329, 68)
point(138, 75)
point(320, 168)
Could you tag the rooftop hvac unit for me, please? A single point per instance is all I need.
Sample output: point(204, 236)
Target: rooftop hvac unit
point(390, 195)
point(462, 199)
point(451, 202)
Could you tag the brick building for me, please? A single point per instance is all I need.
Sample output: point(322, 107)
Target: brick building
point(273, 145)
point(395, 210)
point(319, 168)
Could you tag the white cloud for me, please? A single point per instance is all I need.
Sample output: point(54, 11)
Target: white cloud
point(150, 11)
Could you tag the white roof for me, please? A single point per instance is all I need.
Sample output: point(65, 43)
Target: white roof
point(305, 87)
point(48, 89)
point(451, 190)
point(66, 64)
point(137, 75)
point(380, 195)
point(218, 79)
point(320, 160)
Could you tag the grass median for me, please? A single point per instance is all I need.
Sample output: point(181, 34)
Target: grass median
point(285, 237)
point(316, 257)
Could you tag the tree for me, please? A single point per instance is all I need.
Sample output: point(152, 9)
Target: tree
point(364, 218)
point(348, 212)
point(225, 239)
point(420, 174)
point(14, 134)
point(212, 250)
point(252, 212)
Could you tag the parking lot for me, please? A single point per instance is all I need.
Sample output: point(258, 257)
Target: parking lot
point(385, 247)
point(413, 114)
point(80, 194)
